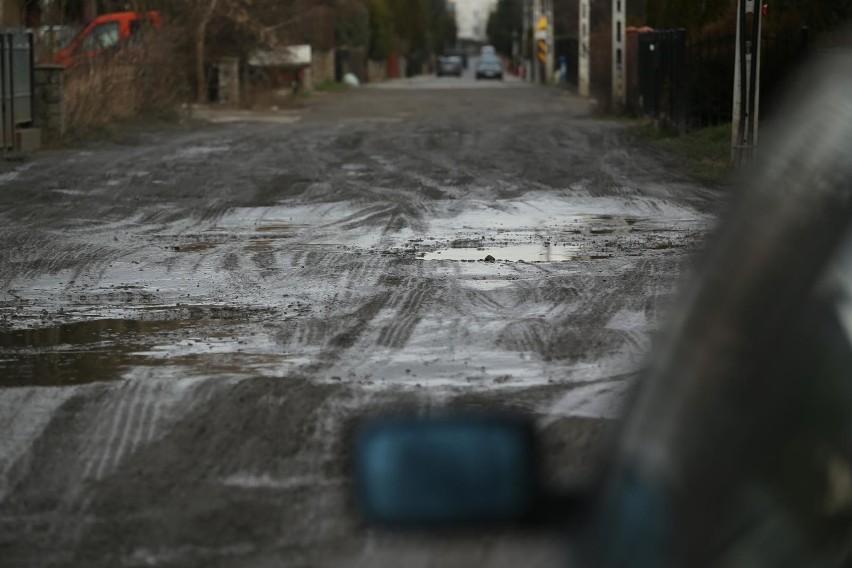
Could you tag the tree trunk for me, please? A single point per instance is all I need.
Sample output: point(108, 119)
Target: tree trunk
point(90, 10)
point(201, 82)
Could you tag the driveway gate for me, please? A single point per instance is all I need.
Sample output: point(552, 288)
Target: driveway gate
point(16, 84)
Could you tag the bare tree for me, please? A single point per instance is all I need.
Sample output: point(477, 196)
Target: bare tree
point(200, 43)
point(90, 10)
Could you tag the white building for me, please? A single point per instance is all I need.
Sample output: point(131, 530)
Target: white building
point(472, 17)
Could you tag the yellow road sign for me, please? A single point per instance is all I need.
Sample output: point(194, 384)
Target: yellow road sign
point(542, 23)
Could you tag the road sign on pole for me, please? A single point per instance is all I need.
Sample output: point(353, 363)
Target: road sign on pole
point(541, 41)
point(536, 17)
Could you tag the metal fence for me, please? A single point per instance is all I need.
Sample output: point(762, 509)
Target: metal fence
point(16, 84)
point(690, 83)
point(662, 75)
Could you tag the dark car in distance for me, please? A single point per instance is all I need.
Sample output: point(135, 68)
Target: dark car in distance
point(489, 68)
point(450, 65)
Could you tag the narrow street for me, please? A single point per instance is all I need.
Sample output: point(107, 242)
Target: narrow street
point(191, 318)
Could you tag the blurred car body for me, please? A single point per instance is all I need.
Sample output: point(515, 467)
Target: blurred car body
point(450, 65)
point(489, 68)
point(463, 55)
point(736, 446)
point(104, 33)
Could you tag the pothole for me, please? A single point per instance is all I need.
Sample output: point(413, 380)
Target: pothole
point(516, 253)
point(103, 350)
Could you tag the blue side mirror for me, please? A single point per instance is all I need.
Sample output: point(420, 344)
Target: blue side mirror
point(452, 470)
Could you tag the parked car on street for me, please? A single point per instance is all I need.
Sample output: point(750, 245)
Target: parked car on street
point(104, 33)
point(489, 68)
point(450, 65)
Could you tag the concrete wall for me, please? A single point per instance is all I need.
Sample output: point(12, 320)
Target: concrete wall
point(49, 84)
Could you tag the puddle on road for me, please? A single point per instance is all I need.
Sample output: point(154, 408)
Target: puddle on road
point(74, 353)
point(515, 253)
point(194, 247)
point(103, 350)
point(83, 333)
point(284, 228)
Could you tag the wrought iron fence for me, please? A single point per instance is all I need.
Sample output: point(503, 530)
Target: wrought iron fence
point(16, 84)
point(662, 75)
point(690, 83)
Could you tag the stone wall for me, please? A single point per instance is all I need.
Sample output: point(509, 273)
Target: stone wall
point(322, 66)
point(229, 81)
point(376, 71)
point(49, 111)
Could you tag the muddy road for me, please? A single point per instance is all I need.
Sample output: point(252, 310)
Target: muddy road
point(190, 318)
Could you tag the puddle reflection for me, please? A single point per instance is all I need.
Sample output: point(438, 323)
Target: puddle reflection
point(85, 352)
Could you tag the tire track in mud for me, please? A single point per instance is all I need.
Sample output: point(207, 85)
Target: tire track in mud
point(29, 256)
point(348, 330)
point(359, 274)
point(493, 304)
point(118, 421)
point(278, 485)
point(110, 425)
point(264, 258)
point(67, 514)
point(355, 274)
point(578, 309)
point(410, 309)
point(394, 197)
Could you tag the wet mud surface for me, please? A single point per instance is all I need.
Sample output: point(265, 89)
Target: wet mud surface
point(189, 320)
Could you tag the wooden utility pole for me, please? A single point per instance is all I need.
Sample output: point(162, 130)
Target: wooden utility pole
point(90, 10)
point(525, 36)
point(584, 63)
point(551, 43)
point(200, 50)
point(619, 91)
point(536, 62)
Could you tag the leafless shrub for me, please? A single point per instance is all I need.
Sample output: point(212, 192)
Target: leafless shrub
point(143, 78)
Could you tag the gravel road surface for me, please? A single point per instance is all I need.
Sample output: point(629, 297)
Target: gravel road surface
point(190, 318)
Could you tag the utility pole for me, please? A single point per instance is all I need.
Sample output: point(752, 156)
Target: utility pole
point(583, 48)
point(619, 93)
point(746, 103)
point(551, 42)
point(536, 19)
point(525, 35)
point(90, 10)
point(543, 40)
